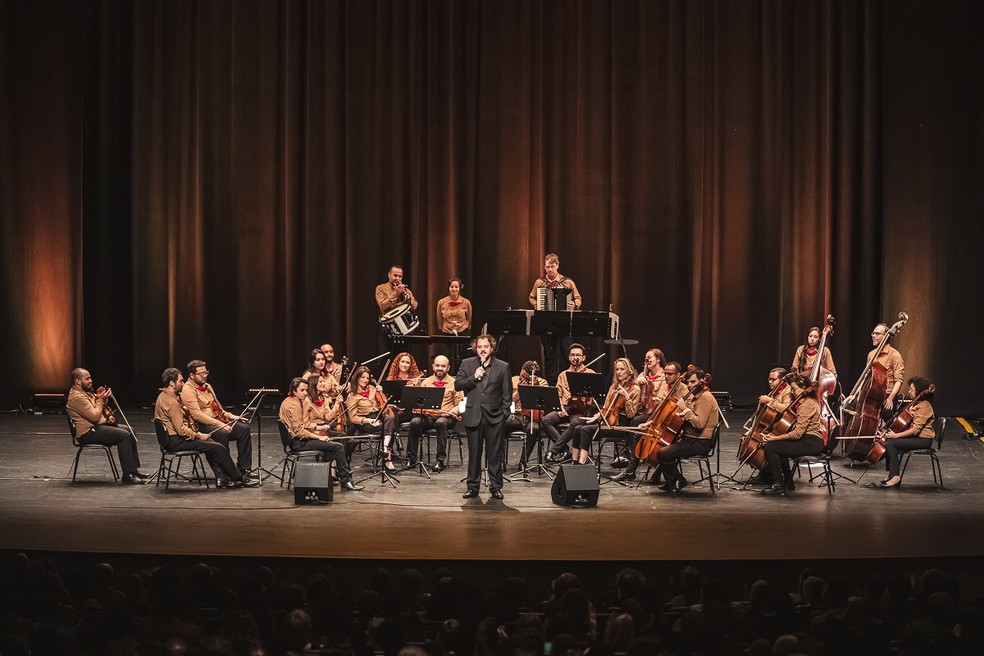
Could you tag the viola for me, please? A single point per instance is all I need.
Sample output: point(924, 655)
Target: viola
point(869, 394)
point(385, 408)
point(614, 404)
point(217, 410)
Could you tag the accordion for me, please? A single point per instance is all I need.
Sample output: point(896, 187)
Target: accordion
point(552, 298)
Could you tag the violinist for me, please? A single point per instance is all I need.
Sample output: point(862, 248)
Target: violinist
point(183, 433)
point(442, 421)
point(297, 419)
point(701, 415)
point(454, 311)
point(328, 386)
point(806, 355)
point(568, 411)
point(224, 427)
point(94, 424)
point(655, 381)
point(332, 368)
point(320, 414)
point(366, 413)
point(777, 401)
point(518, 420)
point(919, 434)
point(802, 439)
point(621, 404)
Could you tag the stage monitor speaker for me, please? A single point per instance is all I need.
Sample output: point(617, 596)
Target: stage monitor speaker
point(312, 482)
point(575, 486)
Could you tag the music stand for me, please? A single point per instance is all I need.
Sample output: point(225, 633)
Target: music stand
point(393, 389)
point(585, 384)
point(422, 398)
point(544, 399)
point(508, 322)
point(254, 413)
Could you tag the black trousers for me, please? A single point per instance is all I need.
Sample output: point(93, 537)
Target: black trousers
point(558, 446)
point(490, 436)
point(327, 452)
point(549, 424)
point(779, 453)
point(240, 434)
point(421, 423)
point(682, 447)
point(894, 448)
point(122, 439)
point(516, 424)
point(217, 455)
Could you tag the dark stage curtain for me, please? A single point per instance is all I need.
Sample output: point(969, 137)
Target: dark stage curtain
point(230, 180)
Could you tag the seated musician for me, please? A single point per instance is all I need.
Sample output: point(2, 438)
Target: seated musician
point(442, 420)
point(519, 421)
point(806, 355)
point(324, 416)
point(454, 311)
point(568, 410)
point(303, 438)
point(95, 424)
point(368, 413)
point(654, 382)
point(404, 367)
point(552, 279)
point(328, 385)
point(223, 427)
point(389, 295)
point(919, 434)
point(332, 368)
point(802, 439)
point(777, 399)
point(183, 433)
point(623, 385)
point(701, 416)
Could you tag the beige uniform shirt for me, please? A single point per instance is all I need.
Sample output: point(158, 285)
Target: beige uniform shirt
point(563, 388)
point(199, 402)
point(388, 298)
point(705, 419)
point(540, 382)
point(451, 318)
point(452, 397)
point(561, 281)
point(807, 419)
point(85, 409)
point(781, 401)
point(360, 408)
point(922, 419)
point(632, 401)
point(891, 359)
point(326, 413)
point(168, 410)
point(293, 415)
point(826, 361)
point(654, 391)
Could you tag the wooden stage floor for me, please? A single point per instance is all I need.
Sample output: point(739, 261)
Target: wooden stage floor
point(426, 519)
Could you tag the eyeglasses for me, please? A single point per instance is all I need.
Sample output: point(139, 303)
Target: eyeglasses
point(201, 373)
point(773, 380)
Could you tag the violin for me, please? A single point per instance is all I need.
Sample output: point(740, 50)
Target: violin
point(614, 405)
point(107, 410)
point(869, 394)
point(217, 410)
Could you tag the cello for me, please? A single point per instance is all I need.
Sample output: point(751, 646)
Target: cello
point(900, 422)
point(668, 428)
point(826, 381)
point(749, 448)
point(869, 396)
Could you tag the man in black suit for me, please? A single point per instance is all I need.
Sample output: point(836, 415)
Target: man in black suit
point(487, 384)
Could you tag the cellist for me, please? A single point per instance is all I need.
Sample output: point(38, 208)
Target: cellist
point(919, 434)
point(617, 411)
point(701, 416)
point(654, 382)
point(802, 439)
point(777, 401)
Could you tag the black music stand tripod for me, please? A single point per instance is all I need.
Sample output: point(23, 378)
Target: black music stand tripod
point(416, 399)
point(589, 385)
point(544, 399)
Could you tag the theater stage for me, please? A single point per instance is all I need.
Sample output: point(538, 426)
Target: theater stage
point(426, 519)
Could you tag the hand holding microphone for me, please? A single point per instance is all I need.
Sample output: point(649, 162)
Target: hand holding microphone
point(481, 370)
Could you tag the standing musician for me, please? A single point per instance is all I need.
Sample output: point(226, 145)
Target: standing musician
point(487, 385)
point(199, 397)
point(518, 421)
point(655, 382)
point(778, 402)
point(297, 420)
point(567, 412)
point(442, 420)
point(623, 385)
point(332, 368)
point(802, 439)
point(363, 405)
point(183, 433)
point(806, 355)
point(328, 385)
point(552, 278)
point(454, 311)
point(894, 365)
point(701, 416)
point(919, 434)
point(390, 294)
point(95, 424)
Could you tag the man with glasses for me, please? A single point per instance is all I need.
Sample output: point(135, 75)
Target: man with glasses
point(777, 401)
point(659, 379)
point(223, 427)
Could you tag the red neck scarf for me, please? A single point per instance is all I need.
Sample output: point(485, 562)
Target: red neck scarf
point(440, 383)
point(202, 388)
point(365, 394)
point(319, 402)
point(454, 303)
point(811, 351)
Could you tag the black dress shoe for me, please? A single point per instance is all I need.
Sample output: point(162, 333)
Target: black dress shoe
point(666, 487)
point(620, 462)
point(470, 494)
point(222, 483)
point(247, 481)
point(349, 486)
point(496, 494)
point(758, 480)
point(133, 479)
point(625, 476)
point(142, 476)
point(438, 467)
point(777, 490)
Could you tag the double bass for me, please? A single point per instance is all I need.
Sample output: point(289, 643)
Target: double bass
point(869, 396)
point(826, 381)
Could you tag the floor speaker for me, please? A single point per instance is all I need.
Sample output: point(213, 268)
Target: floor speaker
point(575, 486)
point(312, 482)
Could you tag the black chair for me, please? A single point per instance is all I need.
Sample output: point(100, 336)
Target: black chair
point(291, 456)
point(931, 453)
point(85, 447)
point(173, 460)
point(822, 461)
point(705, 461)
